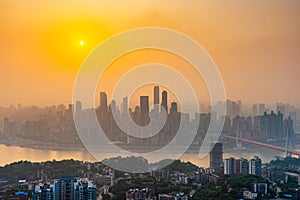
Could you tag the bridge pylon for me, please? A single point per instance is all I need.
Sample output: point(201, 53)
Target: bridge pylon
point(288, 142)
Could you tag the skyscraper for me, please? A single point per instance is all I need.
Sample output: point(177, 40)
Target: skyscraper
point(103, 101)
point(230, 166)
point(261, 108)
point(125, 105)
point(271, 125)
point(216, 157)
point(65, 189)
point(156, 99)
point(164, 102)
point(43, 192)
point(173, 108)
point(254, 110)
point(244, 166)
point(236, 166)
point(84, 190)
point(78, 107)
point(156, 95)
point(255, 166)
point(144, 106)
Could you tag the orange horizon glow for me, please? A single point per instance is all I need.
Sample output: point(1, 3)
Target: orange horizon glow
point(255, 44)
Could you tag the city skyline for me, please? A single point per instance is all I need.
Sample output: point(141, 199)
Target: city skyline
point(139, 99)
point(260, 122)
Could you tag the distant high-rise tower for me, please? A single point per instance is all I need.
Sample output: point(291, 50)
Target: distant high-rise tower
point(280, 107)
point(144, 106)
point(78, 106)
point(156, 94)
point(125, 105)
point(156, 99)
point(216, 157)
point(261, 108)
point(173, 108)
point(103, 101)
point(164, 102)
point(113, 106)
point(239, 107)
point(254, 110)
point(71, 107)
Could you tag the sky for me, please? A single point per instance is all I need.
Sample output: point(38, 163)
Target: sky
point(255, 45)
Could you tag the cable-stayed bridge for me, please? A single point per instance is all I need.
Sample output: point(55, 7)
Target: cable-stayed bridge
point(287, 151)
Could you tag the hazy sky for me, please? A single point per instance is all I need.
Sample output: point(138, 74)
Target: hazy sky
point(256, 44)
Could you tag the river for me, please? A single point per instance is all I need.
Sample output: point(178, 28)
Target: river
point(10, 154)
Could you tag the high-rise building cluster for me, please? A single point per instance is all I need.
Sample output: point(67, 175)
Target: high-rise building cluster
point(48, 124)
point(140, 115)
point(242, 166)
point(65, 189)
point(236, 166)
point(55, 124)
point(260, 127)
point(232, 165)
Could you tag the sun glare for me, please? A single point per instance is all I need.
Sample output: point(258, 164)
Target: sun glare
point(81, 42)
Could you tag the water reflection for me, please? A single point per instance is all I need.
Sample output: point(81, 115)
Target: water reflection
point(11, 154)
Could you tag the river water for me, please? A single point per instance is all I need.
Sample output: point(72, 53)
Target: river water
point(10, 154)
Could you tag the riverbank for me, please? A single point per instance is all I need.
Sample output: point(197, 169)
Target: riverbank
point(41, 145)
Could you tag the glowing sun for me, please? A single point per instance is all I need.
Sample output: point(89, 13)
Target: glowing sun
point(81, 43)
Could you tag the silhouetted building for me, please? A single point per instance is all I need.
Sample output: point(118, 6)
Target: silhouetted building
point(124, 105)
point(144, 106)
point(254, 110)
point(78, 107)
point(164, 102)
point(233, 108)
point(261, 108)
point(271, 125)
point(216, 157)
point(288, 127)
point(156, 95)
point(103, 101)
point(6, 126)
point(173, 108)
point(71, 107)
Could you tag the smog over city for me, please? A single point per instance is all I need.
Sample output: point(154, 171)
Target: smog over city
point(149, 100)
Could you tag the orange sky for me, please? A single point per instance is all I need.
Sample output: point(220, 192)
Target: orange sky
point(255, 44)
